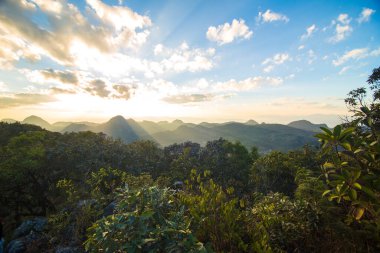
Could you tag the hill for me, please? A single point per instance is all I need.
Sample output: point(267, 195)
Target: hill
point(307, 125)
point(266, 137)
point(35, 120)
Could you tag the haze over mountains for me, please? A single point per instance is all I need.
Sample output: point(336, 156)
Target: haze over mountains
point(264, 136)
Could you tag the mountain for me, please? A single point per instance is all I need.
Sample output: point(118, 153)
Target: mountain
point(266, 137)
point(120, 128)
point(307, 125)
point(76, 127)
point(251, 122)
point(34, 120)
point(10, 121)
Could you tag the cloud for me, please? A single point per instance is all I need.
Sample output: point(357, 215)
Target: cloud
point(45, 76)
point(268, 68)
point(3, 87)
point(124, 23)
point(365, 15)
point(356, 54)
point(309, 32)
point(344, 19)
point(269, 16)
point(66, 25)
point(227, 33)
point(301, 47)
point(98, 88)
point(180, 59)
point(189, 98)
point(12, 49)
point(311, 56)
point(342, 28)
point(123, 91)
point(56, 90)
point(23, 99)
point(277, 59)
point(353, 54)
point(67, 77)
point(248, 84)
point(344, 70)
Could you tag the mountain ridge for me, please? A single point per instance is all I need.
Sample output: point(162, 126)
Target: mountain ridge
point(266, 137)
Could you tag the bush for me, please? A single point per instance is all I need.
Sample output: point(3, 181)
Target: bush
point(146, 220)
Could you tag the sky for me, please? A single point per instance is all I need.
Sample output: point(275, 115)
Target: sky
point(271, 61)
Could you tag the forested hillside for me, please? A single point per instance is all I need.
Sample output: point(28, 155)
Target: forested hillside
point(266, 137)
point(87, 192)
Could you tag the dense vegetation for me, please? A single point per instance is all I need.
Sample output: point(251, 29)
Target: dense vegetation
point(102, 195)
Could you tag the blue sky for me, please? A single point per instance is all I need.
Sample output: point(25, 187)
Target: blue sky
point(272, 61)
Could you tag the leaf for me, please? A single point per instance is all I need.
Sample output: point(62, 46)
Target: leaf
point(337, 130)
point(353, 194)
point(147, 214)
point(326, 130)
point(356, 174)
point(328, 165)
point(358, 213)
point(369, 192)
point(365, 109)
point(326, 192)
point(322, 136)
point(346, 145)
point(357, 186)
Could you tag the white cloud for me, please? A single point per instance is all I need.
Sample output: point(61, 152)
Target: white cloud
point(248, 84)
point(269, 16)
point(365, 15)
point(342, 28)
point(301, 47)
point(353, 54)
point(117, 28)
point(13, 49)
point(344, 19)
point(3, 87)
point(277, 59)
point(375, 52)
point(309, 32)
point(227, 33)
point(268, 68)
point(182, 58)
point(24, 99)
point(119, 17)
point(344, 69)
point(311, 56)
point(158, 49)
point(189, 98)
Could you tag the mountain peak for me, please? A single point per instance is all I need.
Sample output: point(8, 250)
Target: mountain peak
point(306, 125)
point(117, 118)
point(35, 120)
point(177, 121)
point(251, 122)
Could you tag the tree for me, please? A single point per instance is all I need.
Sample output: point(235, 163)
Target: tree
point(228, 162)
point(274, 172)
point(353, 152)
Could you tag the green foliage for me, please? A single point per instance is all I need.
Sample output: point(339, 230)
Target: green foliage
point(216, 216)
point(352, 151)
point(146, 220)
point(104, 182)
point(228, 162)
point(71, 192)
point(289, 223)
point(274, 172)
point(241, 202)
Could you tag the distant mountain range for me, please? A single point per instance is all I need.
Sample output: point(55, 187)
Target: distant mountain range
point(266, 137)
